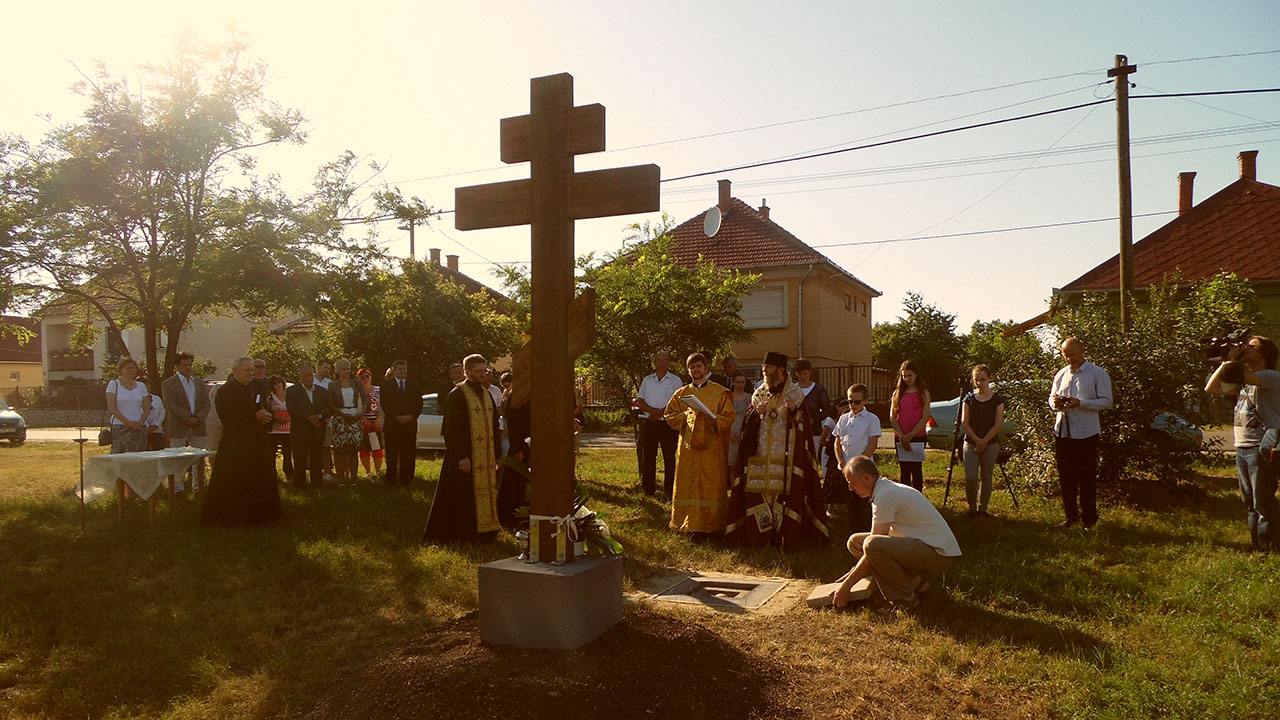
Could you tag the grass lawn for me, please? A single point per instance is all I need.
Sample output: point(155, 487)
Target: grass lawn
point(337, 611)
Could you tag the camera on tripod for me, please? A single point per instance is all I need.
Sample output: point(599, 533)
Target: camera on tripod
point(1216, 348)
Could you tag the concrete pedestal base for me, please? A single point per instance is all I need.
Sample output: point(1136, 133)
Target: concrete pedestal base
point(544, 606)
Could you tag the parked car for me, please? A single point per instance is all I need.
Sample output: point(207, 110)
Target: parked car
point(942, 424)
point(12, 427)
point(943, 417)
point(429, 424)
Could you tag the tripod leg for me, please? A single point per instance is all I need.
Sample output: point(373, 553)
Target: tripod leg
point(951, 466)
point(1009, 486)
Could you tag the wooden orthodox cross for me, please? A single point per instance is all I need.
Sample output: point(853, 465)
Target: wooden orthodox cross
point(549, 201)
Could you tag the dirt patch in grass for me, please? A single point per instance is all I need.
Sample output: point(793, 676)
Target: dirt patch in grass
point(660, 663)
point(650, 665)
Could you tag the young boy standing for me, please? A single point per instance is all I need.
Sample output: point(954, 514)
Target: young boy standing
point(857, 433)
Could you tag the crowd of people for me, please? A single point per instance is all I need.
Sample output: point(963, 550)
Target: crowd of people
point(761, 463)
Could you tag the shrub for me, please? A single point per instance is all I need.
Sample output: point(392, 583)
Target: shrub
point(1157, 367)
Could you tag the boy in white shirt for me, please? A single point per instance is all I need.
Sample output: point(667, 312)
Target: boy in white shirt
point(857, 433)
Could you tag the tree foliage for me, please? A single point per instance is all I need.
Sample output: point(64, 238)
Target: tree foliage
point(147, 210)
point(282, 353)
point(926, 335)
point(986, 344)
point(645, 302)
point(1157, 367)
point(375, 315)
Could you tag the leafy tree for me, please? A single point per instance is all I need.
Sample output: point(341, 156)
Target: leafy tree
point(1158, 367)
point(926, 335)
point(282, 353)
point(645, 302)
point(987, 344)
point(375, 315)
point(147, 210)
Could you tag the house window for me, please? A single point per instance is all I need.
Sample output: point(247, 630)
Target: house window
point(848, 302)
point(15, 375)
point(864, 308)
point(765, 307)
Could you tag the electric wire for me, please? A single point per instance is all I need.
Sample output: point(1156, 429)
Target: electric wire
point(964, 128)
point(783, 180)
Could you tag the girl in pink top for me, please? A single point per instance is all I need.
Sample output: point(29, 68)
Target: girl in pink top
point(909, 415)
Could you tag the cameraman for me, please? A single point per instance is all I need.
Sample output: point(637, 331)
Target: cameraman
point(1251, 367)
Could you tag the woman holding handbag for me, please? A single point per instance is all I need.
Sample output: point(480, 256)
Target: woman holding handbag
point(128, 404)
point(349, 402)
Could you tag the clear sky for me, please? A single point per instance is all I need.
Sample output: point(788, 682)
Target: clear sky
point(421, 87)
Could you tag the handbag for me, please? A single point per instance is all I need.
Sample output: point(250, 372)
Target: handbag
point(104, 435)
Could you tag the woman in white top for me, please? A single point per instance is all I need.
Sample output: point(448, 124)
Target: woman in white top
point(129, 403)
point(349, 403)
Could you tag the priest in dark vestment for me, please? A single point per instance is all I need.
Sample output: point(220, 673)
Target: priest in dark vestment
point(775, 491)
point(465, 504)
point(243, 488)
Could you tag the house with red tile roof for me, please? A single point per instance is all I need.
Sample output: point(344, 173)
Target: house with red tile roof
point(805, 304)
point(1237, 229)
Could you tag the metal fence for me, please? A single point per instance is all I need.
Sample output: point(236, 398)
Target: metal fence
point(59, 396)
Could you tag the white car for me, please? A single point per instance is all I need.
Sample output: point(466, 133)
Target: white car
point(429, 424)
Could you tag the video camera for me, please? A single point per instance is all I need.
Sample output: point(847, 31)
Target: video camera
point(1216, 348)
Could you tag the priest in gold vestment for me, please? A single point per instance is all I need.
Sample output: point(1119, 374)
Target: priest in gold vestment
point(775, 490)
point(699, 500)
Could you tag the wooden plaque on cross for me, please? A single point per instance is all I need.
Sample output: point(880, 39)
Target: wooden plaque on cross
point(549, 202)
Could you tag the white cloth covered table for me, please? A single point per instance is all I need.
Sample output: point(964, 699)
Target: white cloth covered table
point(143, 472)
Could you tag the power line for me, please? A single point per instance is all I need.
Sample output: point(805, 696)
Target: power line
point(949, 131)
point(888, 106)
point(1212, 57)
point(995, 231)
point(938, 122)
point(813, 118)
point(985, 159)
point(883, 143)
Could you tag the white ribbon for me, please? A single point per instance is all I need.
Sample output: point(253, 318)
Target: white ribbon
point(564, 524)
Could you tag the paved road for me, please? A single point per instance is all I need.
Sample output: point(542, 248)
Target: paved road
point(591, 440)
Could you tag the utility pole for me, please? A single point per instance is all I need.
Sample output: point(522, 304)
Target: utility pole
point(1121, 73)
point(409, 225)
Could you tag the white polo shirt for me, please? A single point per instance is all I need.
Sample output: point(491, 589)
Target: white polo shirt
point(658, 392)
point(910, 514)
point(855, 431)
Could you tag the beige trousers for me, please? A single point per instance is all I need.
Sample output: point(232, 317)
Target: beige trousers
point(897, 563)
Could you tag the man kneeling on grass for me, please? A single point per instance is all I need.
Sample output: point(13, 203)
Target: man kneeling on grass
point(908, 542)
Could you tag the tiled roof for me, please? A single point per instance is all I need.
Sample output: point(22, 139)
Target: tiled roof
point(1237, 229)
point(11, 350)
point(745, 240)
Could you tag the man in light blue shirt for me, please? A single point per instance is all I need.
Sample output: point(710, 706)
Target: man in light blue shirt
point(1080, 390)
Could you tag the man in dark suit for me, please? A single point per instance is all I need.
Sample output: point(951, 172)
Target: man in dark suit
point(401, 401)
point(309, 410)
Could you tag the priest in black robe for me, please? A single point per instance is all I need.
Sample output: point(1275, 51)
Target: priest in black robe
point(243, 488)
point(465, 504)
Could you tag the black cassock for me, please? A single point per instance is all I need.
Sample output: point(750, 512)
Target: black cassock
point(242, 489)
point(453, 510)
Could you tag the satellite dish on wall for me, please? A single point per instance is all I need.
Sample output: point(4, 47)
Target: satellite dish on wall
point(711, 223)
